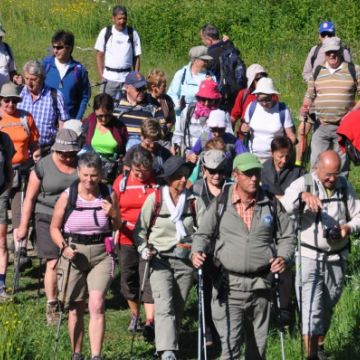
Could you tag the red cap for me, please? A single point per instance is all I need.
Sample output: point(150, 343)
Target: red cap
point(209, 89)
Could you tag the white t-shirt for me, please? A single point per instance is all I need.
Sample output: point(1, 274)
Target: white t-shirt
point(6, 65)
point(62, 68)
point(118, 54)
point(265, 124)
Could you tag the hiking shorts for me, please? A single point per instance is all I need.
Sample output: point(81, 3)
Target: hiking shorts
point(14, 196)
point(92, 269)
point(322, 284)
point(132, 270)
point(45, 247)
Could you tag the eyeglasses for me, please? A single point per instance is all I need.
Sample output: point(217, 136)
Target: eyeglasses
point(220, 171)
point(250, 173)
point(217, 129)
point(59, 47)
point(103, 116)
point(140, 89)
point(14, 100)
point(327, 34)
point(67, 154)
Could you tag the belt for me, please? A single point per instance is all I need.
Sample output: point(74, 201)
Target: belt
point(322, 251)
point(86, 239)
point(263, 272)
point(117, 70)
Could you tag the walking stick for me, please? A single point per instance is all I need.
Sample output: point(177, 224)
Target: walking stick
point(62, 310)
point(202, 352)
point(280, 322)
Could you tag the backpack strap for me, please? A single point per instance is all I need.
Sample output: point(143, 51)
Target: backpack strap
point(193, 212)
point(316, 72)
point(244, 97)
point(189, 114)
point(183, 77)
point(282, 113)
point(252, 108)
point(8, 50)
point(352, 71)
point(53, 93)
point(107, 36)
point(24, 121)
point(156, 211)
point(71, 204)
point(221, 202)
point(315, 55)
point(131, 40)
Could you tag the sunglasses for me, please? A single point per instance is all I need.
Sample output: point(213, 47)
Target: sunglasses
point(252, 172)
point(67, 154)
point(140, 89)
point(265, 100)
point(59, 47)
point(215, 171)
point(103, 116)
point(217, 129)
point(14, 100)
point(326, 34)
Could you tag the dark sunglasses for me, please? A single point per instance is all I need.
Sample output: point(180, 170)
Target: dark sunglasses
point(59, 47)
point(103, 116)
point(220, 171)
point(67, 154)
point(140, 89)
point(252, 172)
point(327, 34)
point(14, 100)
point(217, 129)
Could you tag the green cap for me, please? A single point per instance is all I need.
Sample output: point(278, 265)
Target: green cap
point(246, 161)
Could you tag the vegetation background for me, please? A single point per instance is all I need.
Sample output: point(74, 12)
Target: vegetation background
point(277, 34)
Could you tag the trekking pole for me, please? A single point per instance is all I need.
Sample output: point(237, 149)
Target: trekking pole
point(62, 309)
point(280, 322)
point(202, 352)
point(141, 293)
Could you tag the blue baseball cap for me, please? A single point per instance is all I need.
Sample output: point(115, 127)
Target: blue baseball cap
point(327, 26)
point(135, 79)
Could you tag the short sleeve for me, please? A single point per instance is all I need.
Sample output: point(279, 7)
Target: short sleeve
point(99, 44)
point(288, 123)
point(137, 44)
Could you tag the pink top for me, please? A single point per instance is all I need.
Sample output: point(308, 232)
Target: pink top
point(84, 221)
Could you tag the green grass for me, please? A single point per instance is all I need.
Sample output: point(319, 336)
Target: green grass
point(274, 34)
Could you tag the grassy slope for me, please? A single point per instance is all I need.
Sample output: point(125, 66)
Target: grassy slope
point(30, 24)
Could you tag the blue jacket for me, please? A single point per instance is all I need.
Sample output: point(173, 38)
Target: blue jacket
point(74, 86)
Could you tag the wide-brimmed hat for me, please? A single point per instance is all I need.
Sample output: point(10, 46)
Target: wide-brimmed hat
point(200, 52)
point(216, 119)
point(252, 71)
point(74, 125)
point(135, 79)
point(265, 86)
point(332, 44)
point(209, 89)
point(10, 90)
point(327, 26)
point(213, 159)
point(66, 141)
point(246, 161)
point(2, 31)
point(172, 165)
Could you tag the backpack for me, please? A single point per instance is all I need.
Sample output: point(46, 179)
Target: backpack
point(72, 199)
point(157, 207)
point(352, 152)
point(108, 34)
point(8, 50)
point(232, 73)
point(351, 68)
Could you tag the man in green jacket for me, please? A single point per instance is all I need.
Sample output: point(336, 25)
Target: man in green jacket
point(253, 238)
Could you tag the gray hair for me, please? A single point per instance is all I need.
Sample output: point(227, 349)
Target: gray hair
point(34, 67)
point(119, 9)
point(142, 157)
point(91, 160)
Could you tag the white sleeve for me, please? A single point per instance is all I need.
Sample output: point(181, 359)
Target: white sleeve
point(179, 127)
point(229, 128)
point(137, 44)
point(288, 123)
point(99, 45)
point(247, 120)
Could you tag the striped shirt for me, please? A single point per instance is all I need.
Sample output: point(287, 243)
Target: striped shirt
point(43, 111)
point(83, 221)
point(333, 93)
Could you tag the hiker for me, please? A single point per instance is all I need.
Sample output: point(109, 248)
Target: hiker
point(329, 211)
point(156, 83)
point(84, 216)
point(50, 177)
point(106, 135)
point(70, 77)
point(186, 81)
point(245, 254)
point(245, 96)
point(330, 101)
point(21, 128)
point(118, 52)
point(316, 55)
point(45, 104)
point(151, 134)
point(135, 105)
point(7, 68)
point(192, 122)
point(132, 189)
point(213, 167)
point(266, 118)
point(7, 151)
point(216, 124)
point(227, 65)
point(166, 223)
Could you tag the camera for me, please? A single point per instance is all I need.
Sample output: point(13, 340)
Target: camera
point(332, 233)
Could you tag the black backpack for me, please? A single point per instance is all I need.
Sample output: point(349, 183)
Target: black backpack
point(232, 73)
point(73, 195)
